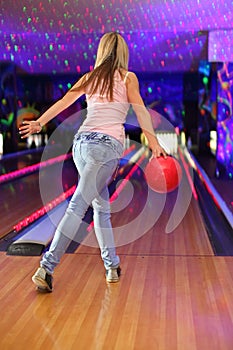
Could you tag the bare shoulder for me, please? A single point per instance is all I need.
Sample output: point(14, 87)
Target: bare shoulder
point(130, 75)
point(131, 79)
point(126, 75)
point(133, 92)
point(79, 83)
point(83, 78)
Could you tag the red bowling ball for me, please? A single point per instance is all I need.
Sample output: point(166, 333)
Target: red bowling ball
point(163, 174)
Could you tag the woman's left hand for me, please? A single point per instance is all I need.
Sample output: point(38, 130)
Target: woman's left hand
point(28, 128)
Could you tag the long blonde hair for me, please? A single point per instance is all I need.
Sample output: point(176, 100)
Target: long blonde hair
point(112, 55)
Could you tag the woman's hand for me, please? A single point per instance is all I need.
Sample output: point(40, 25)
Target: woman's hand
point(29, 128)
point(158, 151)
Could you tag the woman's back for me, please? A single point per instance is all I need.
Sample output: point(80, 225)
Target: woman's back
point(105, 116)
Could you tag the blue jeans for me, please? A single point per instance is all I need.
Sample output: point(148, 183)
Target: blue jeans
point(96, 157)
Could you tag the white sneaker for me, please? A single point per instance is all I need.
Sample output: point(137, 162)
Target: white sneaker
point(43, 280)
point(113, 274)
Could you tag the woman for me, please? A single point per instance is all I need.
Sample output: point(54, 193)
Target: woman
point(97, 148)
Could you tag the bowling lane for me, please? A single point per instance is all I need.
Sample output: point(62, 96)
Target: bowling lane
point(139, 215)
point(21, 197)
point(146, 223)
point(19, 160)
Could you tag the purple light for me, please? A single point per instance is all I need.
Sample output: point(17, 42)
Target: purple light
point(220, 46)
point(225, 120)
point(39, 43)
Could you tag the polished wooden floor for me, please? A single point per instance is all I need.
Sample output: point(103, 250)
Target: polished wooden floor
point(173, 294)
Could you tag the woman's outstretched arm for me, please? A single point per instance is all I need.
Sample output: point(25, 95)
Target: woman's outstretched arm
point(143, 115)
point(31, 127)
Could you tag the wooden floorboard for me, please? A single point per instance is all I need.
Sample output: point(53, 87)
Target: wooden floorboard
point(189, 238)
point(174, 294)
point(161, 302)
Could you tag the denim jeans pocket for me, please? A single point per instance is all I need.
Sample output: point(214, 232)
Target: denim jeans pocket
point(99, 152)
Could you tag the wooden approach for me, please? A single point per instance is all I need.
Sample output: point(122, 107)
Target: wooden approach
point(173, 294)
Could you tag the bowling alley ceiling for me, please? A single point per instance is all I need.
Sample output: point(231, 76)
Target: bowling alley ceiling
point(54, 36)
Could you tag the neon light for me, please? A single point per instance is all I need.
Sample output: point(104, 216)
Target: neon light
point(210, 188)
point(50, 205)
point(128, 150)
point(32, 168)
point(43, 210)
point(188, 174)
point(126, 179)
